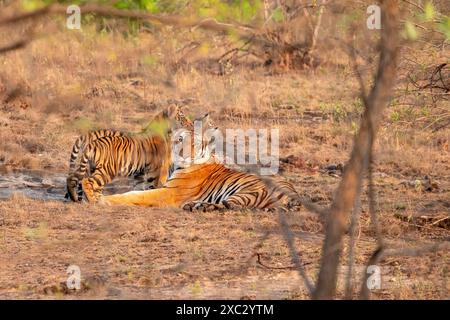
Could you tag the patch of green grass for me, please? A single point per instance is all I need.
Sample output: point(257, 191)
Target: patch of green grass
point(408, 114)
point(37, 233)
point(196, 288)
point(84, 124)
point(341, 112)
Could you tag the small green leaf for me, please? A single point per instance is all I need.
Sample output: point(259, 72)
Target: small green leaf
point(157, 127)
point(277, 15)
point(411, 31)
point(122, 4)
point(444, 26)
point(429, 11)
point(149, 60)
point(247, 11)
point(31, 5)
point(150, 5)
point(84, 124)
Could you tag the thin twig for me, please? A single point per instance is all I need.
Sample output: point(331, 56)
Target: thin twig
point(316, 29)
point(261, 263)
point(289, 237)
point(15, 46)
point(362, 86)
point(351, 247)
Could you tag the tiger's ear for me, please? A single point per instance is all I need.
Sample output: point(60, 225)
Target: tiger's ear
point(172, 111)
point(207, 122)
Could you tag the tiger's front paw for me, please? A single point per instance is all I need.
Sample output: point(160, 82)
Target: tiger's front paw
point(102, 201)
point(293, 204)
point(202, 206)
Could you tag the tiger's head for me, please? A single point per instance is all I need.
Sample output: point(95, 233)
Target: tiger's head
point(168, 120)
point(194, 145)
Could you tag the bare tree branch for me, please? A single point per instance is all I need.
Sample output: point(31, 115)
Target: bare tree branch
point(373, 260)
point(27, 16)
point(295, 257)
point(358, 74)
point(16, 45)
point(257, 36)
point(352, 178)
point(316, 28)
point(351, 248)
point(372, 203)
point(243, 32)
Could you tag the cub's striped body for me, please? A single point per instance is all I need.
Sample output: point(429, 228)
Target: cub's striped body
point(106, 154)
point(83, 140)
point(113, 156)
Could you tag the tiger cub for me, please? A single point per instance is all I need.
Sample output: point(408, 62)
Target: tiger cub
point(145, 156)
point(172, 112)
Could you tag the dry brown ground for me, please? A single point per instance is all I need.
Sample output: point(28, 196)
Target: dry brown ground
point(74, 82)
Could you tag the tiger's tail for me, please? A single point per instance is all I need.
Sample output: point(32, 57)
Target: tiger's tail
point(73, 180)
point(77, 146)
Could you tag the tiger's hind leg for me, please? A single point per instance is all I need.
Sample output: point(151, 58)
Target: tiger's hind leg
point(243, 201)
point(203, 206)
point(93, 187)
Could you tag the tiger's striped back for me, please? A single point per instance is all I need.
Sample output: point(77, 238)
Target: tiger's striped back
point(113, 156)
point(232, 189)
point(173, 112)
point(83, 140)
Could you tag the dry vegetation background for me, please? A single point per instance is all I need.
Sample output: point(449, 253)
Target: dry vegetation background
point(66, 82)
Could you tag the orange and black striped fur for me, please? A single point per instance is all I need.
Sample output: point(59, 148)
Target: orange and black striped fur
point(210, 185)
point(86, 139)
point(83, 140)
point(145, 156)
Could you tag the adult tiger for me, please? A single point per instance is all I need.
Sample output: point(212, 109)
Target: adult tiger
point(146, 156)
point(207, 185)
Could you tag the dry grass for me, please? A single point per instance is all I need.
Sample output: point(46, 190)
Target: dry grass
point(71, 82)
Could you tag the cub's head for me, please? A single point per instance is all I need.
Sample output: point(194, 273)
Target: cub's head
point(168, 120)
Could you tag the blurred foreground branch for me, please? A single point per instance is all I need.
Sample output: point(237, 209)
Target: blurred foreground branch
point(273, 42)
point(15, 45)
point(350, 185)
